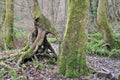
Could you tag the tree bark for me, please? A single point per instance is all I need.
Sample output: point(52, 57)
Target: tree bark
point(72, 58)
point(103, 24)
point(116, 12)
point(8, 25)
point(42, 27)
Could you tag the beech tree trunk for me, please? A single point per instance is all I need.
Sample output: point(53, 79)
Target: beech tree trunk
point(72, 58)
point(103, 25)
point(8, 25)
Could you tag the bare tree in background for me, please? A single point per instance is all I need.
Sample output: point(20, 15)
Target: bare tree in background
point(8, 25)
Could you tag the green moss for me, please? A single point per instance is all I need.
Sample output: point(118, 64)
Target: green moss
point(25, 55)
point(52, 40)
point(71, 65)
point(72, 58)
point(36, 11)
point(61, 65)
point(44, 21)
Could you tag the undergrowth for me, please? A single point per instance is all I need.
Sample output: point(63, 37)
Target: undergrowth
point(115, 54)
point(96, 45)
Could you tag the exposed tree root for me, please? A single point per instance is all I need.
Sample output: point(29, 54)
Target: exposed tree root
point(40, 45)
point(38, 42)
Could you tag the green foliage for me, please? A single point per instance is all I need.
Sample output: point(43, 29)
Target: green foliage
point(115, 54)
point(51, 61)
point(96, 36)
point(96, 46)
point(117, 41)
point(102, 52)
point(19, 33)
point(53, 40)
point(1, 73)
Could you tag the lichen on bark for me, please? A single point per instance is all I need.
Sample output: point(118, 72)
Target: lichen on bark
point(72, 58)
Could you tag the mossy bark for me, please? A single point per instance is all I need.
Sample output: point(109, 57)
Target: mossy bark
point(103, 24)
point(8, 25)
point(72, 58)
point(44, 21)
point(115, 10)
point(42, 27)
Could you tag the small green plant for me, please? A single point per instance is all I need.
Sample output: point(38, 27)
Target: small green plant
point(117, 41)
point(95, 36)
point(115, 54)
point(95, 46)
point(102, 52)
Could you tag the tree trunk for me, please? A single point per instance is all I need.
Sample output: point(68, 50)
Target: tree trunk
point(115, 9)
point(8, 25)
point(42, 27)
point(72, 58)
point(103, 24)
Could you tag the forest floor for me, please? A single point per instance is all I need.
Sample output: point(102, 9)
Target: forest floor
point(41, 70)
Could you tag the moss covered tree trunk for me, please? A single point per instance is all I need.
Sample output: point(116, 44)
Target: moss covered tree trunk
point(103, 24)
point(42, 27)
point(8, 25)
point(72, 58)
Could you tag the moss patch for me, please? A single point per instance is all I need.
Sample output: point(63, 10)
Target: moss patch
point(53, 40)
